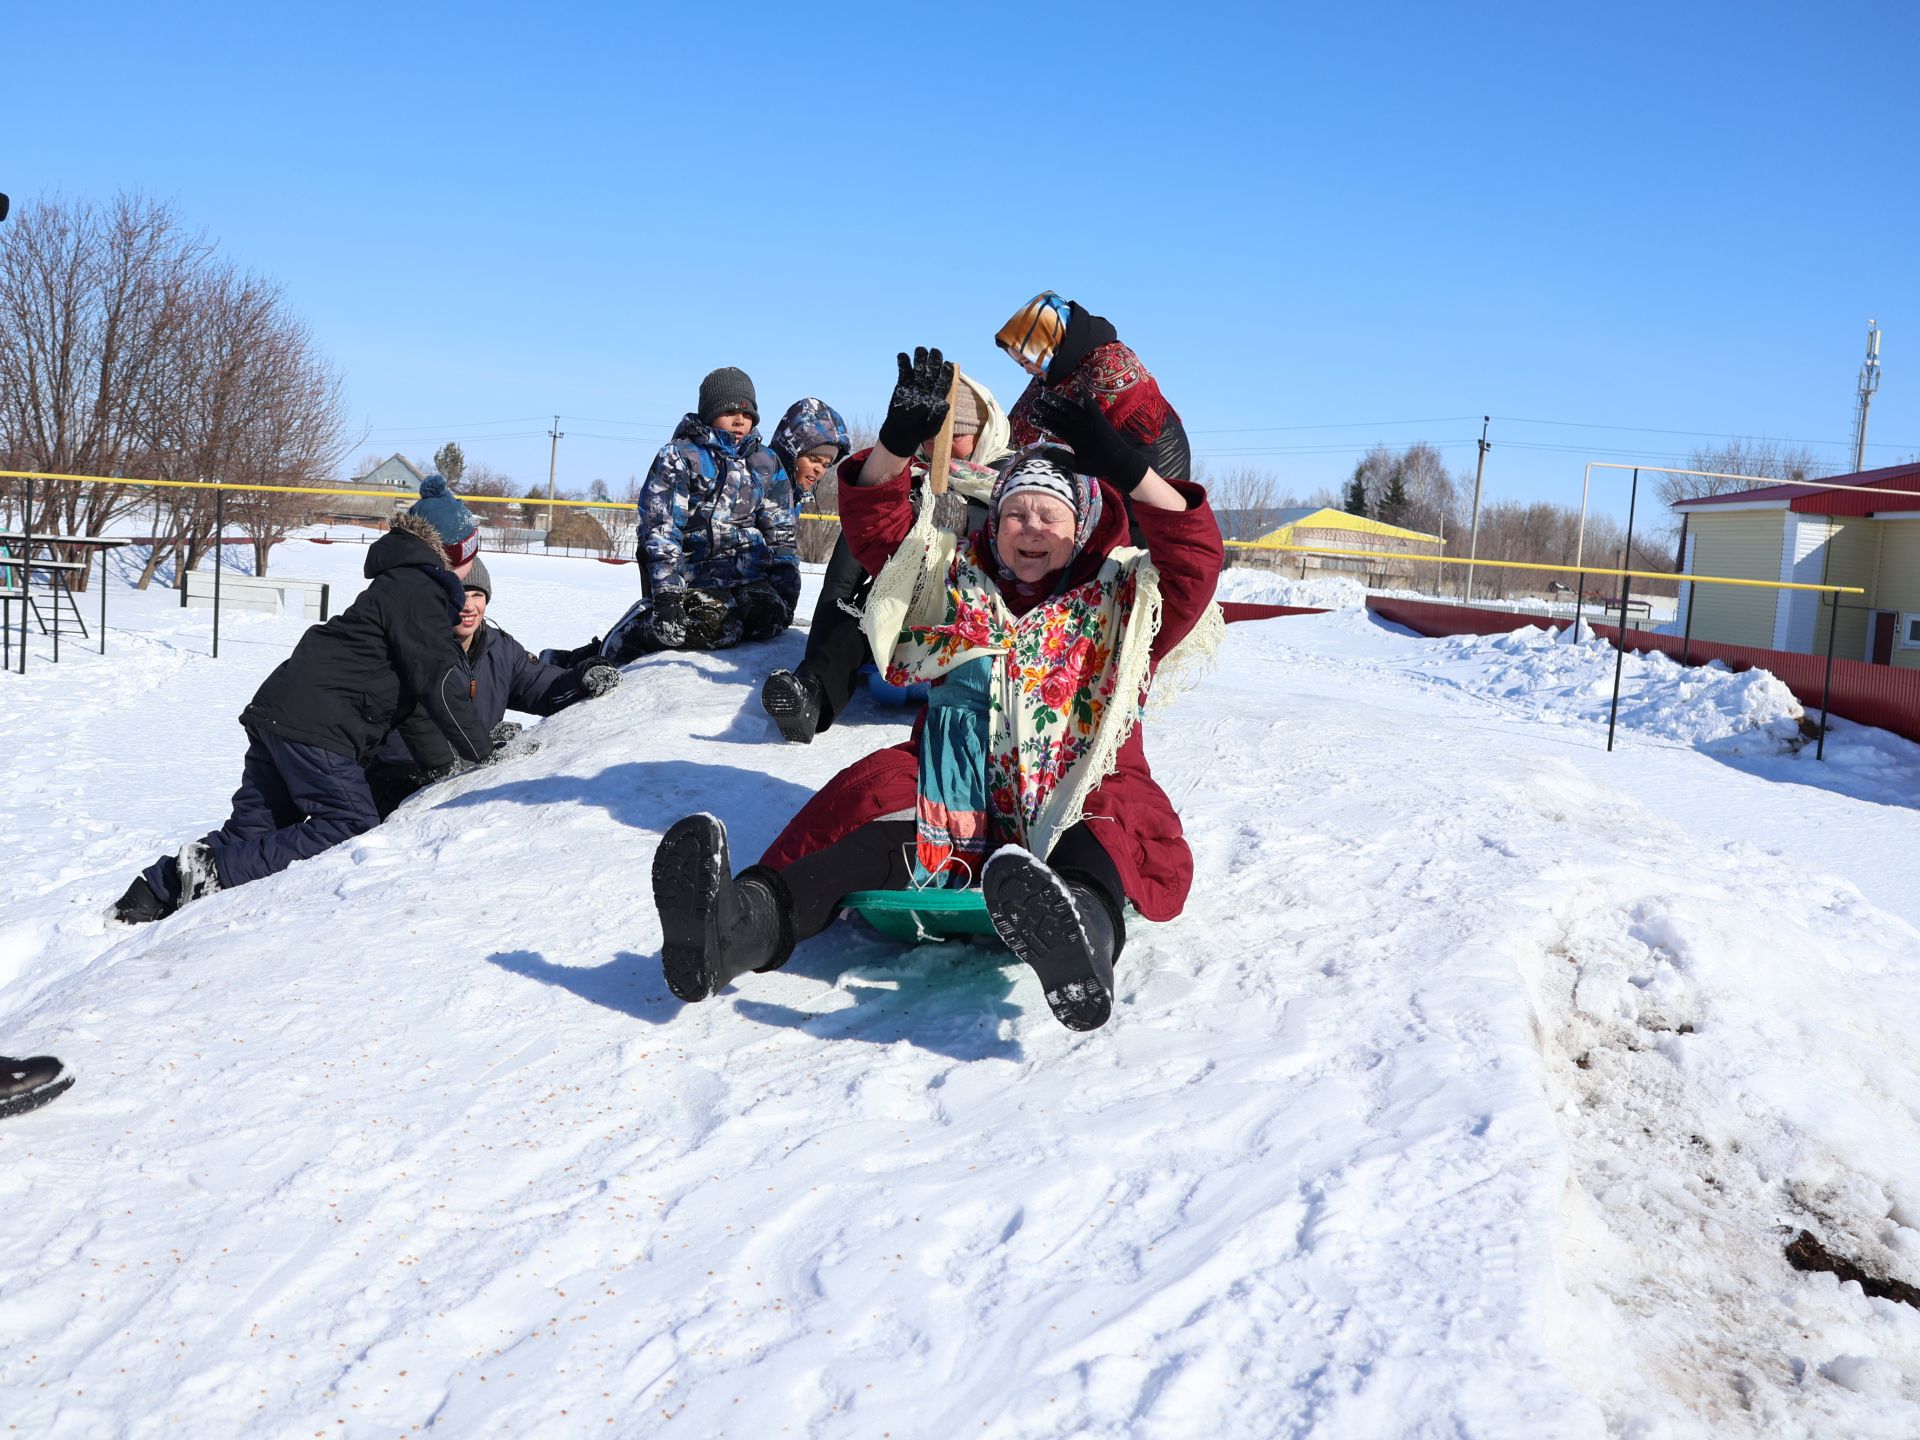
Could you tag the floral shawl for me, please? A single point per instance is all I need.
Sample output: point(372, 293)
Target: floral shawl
point(1063, 685)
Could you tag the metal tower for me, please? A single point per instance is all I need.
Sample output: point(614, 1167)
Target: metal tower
point(1869, 382)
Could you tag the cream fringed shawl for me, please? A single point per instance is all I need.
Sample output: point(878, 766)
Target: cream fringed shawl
point(1068, 678)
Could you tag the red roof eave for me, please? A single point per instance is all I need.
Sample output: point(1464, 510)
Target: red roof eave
point(1899, 487)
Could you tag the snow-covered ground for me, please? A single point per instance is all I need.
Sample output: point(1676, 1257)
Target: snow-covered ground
point(1478, 1091)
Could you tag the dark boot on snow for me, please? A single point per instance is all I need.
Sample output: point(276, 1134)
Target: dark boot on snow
point(1064, 930)
point(794, 702)
point(715, 926)
point(567, 659)
point(28, 1084)
point(141, 905)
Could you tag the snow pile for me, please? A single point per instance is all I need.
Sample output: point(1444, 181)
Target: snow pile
point(1478, 1091)
point(1265, 587)
point(1551, 674)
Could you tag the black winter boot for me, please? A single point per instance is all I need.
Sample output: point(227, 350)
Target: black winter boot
point(794, 702)
point(714, 926)
point(28, 1084)
point(140, 905)
point(1064, 929)
point(567, 659)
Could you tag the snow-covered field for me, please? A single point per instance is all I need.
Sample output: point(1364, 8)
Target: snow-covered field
point(1477, 1093)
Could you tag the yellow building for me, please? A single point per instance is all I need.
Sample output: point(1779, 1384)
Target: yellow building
point(1816, 537)
point(1327, 528)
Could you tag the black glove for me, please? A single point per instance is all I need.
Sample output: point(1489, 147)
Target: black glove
point(598, 679)
point(1100, 449)
point(433, 774)
point(711, 622)
point(919, 404)
point(504, 733)
point(667, 619)
point(762, 610)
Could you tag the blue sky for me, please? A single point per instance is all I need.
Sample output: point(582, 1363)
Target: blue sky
point(1320, 231)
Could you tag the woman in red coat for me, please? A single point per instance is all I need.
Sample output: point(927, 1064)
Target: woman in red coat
point(1027, 774)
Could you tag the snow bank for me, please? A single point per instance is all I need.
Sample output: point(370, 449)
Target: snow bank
point(1264, 587)
point(1550, 672)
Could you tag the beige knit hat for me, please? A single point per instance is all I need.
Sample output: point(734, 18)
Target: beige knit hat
point(967, 419)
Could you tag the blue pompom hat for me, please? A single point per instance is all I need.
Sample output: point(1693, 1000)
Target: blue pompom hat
point(459, 532)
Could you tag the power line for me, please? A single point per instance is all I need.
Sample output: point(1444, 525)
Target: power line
point(1699, 434)
point(1353, 425)
point(467, 425)
point(646, 424)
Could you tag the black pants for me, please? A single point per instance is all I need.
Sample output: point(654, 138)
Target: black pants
point(836, 648)
point(294, 801)
point(717, 618)
point(879, 856)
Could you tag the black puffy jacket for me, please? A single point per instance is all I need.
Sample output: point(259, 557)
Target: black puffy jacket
point(505, 677)
point(349, 681)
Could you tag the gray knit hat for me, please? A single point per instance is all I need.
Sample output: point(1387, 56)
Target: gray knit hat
point(727, 389)
point(479, 579)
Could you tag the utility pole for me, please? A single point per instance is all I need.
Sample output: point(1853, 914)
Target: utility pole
point(556, 435)
point(1869, 382)
point(1473, 541)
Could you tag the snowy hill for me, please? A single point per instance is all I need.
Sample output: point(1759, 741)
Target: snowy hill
point(1479, 1091)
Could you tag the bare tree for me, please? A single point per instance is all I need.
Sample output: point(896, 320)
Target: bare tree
point(483, 479)
point(1763, 459)
point(91, 298)
point(127, 348)
point(1249, 503)
point(248, 402)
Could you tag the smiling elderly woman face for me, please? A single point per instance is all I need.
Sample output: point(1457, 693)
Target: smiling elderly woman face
point(1036, 535)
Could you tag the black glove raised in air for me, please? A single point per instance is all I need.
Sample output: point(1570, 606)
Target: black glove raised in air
point(1100, 449)
point(919, 404)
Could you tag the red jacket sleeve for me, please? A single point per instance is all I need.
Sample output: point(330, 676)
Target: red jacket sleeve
point(1186, 549)
point(874, 518)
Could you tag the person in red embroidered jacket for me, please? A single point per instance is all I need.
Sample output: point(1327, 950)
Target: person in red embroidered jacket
point(1028, 773)
point(1070, 351)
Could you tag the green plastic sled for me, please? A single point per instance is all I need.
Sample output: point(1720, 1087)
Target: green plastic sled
point(916, 916)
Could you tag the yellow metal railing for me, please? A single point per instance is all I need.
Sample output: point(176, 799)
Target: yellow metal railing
point(1487, 564)
point(1261, 545)
point(363, 493)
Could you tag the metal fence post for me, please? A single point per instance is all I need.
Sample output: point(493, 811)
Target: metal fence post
point(26, 575)
point(1826, 694)
point(103, 599)
point(219, 560)
point(326, 591)
point(1626, 594)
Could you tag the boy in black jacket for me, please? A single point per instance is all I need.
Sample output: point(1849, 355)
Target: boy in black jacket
point(504, 675)
point(325, 710)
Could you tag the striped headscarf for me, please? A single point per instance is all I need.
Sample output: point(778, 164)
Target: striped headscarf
point(1047, 469)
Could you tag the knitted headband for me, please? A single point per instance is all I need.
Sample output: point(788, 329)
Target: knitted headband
point(1046, 469)
point(1036, 329)
point(1038, 473)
